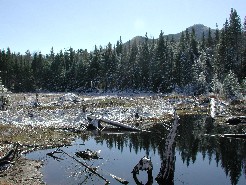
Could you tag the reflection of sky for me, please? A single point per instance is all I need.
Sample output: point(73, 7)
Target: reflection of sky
point(121, 162)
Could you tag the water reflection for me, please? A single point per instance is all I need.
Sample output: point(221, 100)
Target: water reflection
point(188, 158)
point(229, 153)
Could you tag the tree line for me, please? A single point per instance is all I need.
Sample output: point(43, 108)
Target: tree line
point(213, 63)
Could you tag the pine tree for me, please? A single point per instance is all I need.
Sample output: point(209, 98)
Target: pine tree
point(132, 68)
point(82, 66)
point(243, 63)
point(144, 64)
point(152, 70)
point(109, 67)
point(201, 74)
point(119, 47)
point(231, 86)
point(235, 42)
point(203, 42)
point(163, 70)
point(95, 68)
point(181, 60)
point(124, 69)
point(193, 55)
point(37, 67)
point(217, 35)
point(28, 79)
point(209, 39)
point(223, 62)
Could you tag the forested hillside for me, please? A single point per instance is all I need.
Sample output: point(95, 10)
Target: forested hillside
point(215, 62)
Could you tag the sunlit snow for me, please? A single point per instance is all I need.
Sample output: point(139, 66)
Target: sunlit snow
point(61, 112)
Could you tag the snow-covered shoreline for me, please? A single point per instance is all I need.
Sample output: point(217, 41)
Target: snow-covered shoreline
point(68, 109)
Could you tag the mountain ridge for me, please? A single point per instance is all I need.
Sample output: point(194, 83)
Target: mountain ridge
point(199, 29)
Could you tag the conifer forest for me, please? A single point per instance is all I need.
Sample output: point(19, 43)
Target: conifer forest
point(216, 62)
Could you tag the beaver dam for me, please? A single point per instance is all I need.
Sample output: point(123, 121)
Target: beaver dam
point(177, 140)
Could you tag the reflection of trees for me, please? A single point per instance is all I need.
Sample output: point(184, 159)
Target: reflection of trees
point(192, 138)
point(137, 142)
point(232, 158)
point(187, 141)
point(229, 152)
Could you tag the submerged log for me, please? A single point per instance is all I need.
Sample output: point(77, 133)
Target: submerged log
point(122, 181)
point(87, 154)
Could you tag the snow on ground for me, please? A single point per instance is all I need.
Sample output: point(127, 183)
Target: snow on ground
point(65, 110)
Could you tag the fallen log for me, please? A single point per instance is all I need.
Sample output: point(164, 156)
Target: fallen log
point(115, 123)
point(241, 136)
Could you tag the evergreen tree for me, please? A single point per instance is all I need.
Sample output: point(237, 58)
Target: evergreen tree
point(28, 79)
point(110, 67)
point(132, 68)
point(152, 64)
point(201, 74)
point(223, 62)
point(231, 86)
point(144, 64)
point(119, 47)
point(243, 63)
point(124, 69)
point(82, 69)
point(217, 35)
point(203, 42)
point(209, 39)
point(181, 60)
point(37, 70)
point(235, 42)
point(163, 70)
point(94, 69)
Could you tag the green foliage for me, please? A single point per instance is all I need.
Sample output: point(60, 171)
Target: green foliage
point(231, 86)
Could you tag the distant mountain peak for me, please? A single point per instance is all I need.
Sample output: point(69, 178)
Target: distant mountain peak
point(199, 29)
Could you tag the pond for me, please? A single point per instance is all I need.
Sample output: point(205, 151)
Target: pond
point(193, 154)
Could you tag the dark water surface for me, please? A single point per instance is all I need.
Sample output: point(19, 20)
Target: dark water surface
point(197, 155)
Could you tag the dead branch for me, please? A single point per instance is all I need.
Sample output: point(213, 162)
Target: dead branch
point(86, 166)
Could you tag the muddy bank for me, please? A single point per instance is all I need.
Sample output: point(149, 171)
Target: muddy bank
point(22, 172)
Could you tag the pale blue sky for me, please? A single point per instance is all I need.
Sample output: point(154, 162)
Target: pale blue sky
point(38, 25)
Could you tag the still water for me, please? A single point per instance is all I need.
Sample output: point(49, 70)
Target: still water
point(192, 154)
